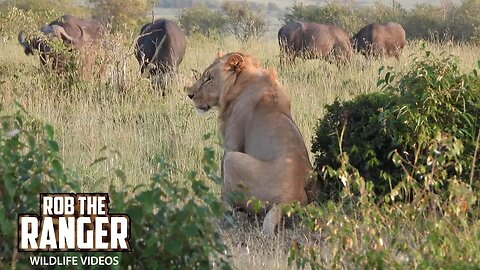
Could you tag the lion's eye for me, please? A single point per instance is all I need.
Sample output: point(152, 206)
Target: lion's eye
point(207, 79)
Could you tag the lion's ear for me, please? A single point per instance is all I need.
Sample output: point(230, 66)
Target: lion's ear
point(219, 54)
point(235, 62)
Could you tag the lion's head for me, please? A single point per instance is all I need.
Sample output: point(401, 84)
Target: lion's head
point(209, 90)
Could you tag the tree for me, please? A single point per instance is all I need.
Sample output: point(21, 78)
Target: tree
point(201, 19)
point(61, 6)
point(464, 22)
point(120, 13)
point(244, 22)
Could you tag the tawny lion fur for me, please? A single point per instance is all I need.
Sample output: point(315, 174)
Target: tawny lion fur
point(265, 155)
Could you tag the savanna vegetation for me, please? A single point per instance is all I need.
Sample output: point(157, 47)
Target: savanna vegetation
point(395, 145)
point(236, 18)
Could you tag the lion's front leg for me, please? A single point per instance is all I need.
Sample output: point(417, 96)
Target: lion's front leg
point(222, 174)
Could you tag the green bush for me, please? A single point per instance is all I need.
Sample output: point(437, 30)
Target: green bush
point(463, 19)
point(420, 132)
point(426, 20)
point(186, 3)
point(121, 15)
point(357, 128)
point(14, 20)
point(172, 226)
point(385, 13)
point(244, 22)
point(242, 19)
point(360, 233)
point(416, 144)
point(35, 6)
point(202, 20)
point(437, 122)
point(29, 165)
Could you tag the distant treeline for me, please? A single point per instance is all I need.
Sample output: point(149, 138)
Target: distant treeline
point(213, 4)
point(448, 21)
point(186, 3)
point(445, 21)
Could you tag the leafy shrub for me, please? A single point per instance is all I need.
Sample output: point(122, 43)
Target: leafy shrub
point(244, 22)
point(385, 13)
point(426, 20)
point(355, 127)
point(437, 121)
point(185, 3)
point(29, 165)
point(35, 6)
point(463, 19)
point(122, 15)
point(416, 142)
point(173, 226)
point(14, 20)
point(476, 36)
point(241, 19)
point(359, 233)
point(202, 20)
point(420, 133)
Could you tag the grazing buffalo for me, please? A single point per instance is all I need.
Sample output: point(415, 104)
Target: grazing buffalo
point(161, 44)
point(313, 40)
point(380, 40)
point(74, 32)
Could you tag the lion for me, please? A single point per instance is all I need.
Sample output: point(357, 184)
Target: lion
point(265, 156)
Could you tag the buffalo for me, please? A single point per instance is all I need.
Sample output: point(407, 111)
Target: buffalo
point(380, 40)
point(313, 40)
point(74, 32)
point(160, 47)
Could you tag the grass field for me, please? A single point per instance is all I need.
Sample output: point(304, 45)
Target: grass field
point(138, 124)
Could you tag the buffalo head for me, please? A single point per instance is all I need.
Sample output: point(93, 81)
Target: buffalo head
point(43, 43)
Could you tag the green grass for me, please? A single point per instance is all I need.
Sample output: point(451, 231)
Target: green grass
point(138, 124)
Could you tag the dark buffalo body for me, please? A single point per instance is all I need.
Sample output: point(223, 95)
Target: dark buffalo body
point(73, 31)
point(313, 40)
point(161, 44)
point(380, 39)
